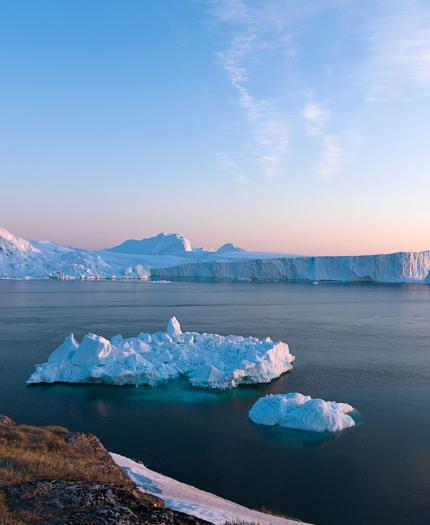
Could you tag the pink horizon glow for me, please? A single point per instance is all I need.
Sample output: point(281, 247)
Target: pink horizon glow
point(299, 242)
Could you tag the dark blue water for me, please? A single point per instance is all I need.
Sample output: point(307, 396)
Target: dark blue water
point(364, 344)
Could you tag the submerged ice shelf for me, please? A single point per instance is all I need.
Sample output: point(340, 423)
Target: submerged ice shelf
point(300, 412)
point(206, 360)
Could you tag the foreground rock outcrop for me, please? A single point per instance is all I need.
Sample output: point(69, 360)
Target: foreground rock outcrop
point(49, 475)
point(58, 502)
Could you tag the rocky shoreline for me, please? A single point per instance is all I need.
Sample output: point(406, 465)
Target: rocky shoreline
point(49, 475)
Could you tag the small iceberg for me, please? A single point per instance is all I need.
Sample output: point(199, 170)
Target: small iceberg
point(300, 412)
point(206, 360)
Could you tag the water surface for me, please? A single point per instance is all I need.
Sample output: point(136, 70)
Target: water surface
point(364, 344)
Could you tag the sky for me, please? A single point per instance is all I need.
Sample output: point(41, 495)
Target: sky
point(281, 125)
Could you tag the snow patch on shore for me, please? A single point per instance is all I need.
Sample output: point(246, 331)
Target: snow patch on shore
point(206, 360)
point(190, 500)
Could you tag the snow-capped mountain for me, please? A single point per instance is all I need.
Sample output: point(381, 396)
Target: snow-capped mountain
point(229, 247)
point(161, 244)
point(22, 259)
point(171, 257)
point(15, 254)
point(11, 245)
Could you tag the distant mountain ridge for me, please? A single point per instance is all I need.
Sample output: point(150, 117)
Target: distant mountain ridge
point(229, 247)
point(11, 244)
point(161, 244)
point(171, 257)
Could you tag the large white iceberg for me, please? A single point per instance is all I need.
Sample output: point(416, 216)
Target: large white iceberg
point(206, 360)
point(301, 412)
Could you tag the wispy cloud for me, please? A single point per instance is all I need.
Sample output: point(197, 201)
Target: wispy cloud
point(316, 117)
point(376, 52)
point(231, 167)
point(229, 10)
point(268, 126)
point(398, 50)
point(330, 158)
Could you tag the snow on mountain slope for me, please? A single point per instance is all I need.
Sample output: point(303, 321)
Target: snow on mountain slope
point(194, 501)
point(229, 247)
point(16, 254)
point(404, 267)
point(21, 259)
point(161, 244)
point(51, 247)
point(12, 245)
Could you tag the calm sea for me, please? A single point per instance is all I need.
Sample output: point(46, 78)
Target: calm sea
point(367, 345)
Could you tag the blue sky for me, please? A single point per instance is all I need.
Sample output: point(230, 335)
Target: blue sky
point(299, 126)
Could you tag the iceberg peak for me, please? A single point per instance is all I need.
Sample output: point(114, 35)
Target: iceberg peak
point(173, 327)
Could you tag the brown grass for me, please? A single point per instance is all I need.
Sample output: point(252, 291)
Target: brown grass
point(29, 453)
point(34, 453)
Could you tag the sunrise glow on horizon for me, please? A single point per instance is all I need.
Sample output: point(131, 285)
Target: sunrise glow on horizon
point(282, 126)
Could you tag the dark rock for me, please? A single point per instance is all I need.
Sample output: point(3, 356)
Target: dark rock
point(6, 420)
point(58, 502)
point(89, 445)
point(86, 443)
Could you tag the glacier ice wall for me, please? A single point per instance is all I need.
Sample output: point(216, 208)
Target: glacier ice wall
point(403, 267)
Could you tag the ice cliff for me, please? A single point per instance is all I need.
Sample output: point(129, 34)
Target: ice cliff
point(403, 267)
